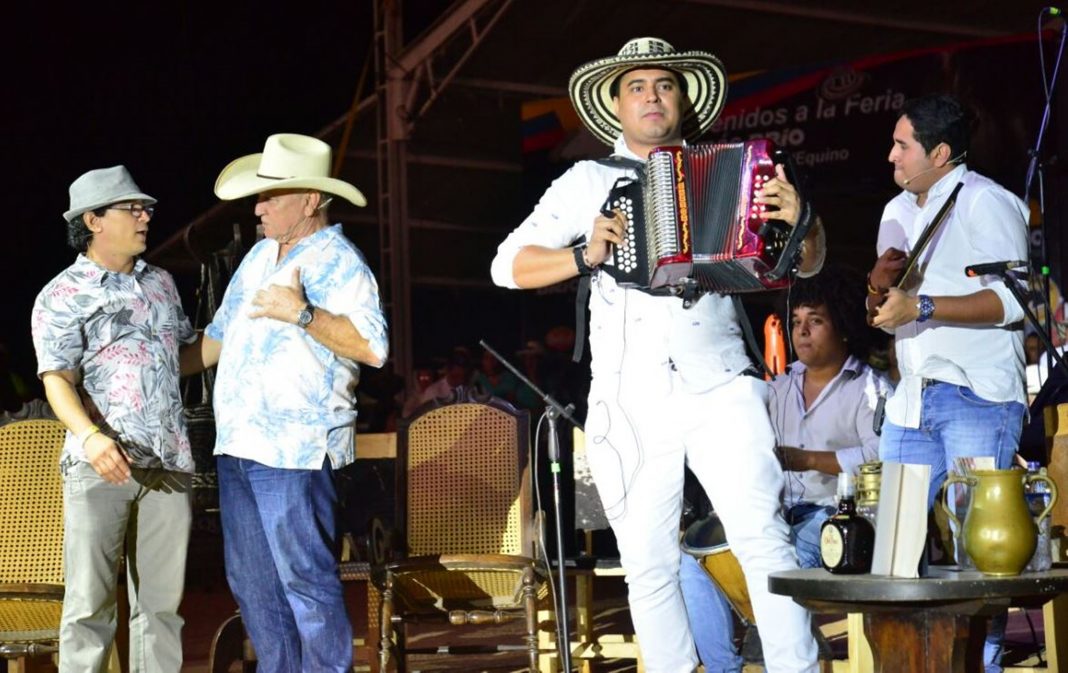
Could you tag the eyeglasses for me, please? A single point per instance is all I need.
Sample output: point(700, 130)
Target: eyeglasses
point(136, 209)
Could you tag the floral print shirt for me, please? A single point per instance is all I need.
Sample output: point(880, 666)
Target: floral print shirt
point(120, 333)
point(282, 398)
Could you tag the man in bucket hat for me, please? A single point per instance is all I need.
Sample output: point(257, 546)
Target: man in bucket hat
point(107, 332)
point(668, 385)
point(301, 314)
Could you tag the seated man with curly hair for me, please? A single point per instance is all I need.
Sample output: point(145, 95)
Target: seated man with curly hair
point(822, 410)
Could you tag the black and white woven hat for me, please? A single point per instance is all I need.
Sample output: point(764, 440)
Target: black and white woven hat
point(704, 75)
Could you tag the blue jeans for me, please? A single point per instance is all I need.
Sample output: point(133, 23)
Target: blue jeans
point(955, 422)
point(805, 521)
point(708, 610)
point(278, 540)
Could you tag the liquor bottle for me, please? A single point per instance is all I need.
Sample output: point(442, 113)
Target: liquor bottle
point(847, 539)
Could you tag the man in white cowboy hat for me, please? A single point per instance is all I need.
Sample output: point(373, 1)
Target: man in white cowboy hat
point(107, 332)
point(301, 314)
point(668, 385)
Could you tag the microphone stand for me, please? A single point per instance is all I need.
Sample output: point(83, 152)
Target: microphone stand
point(1034, 169)
point(553, 411)
point(1010, 282)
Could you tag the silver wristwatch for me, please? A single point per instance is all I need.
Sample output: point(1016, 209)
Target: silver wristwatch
point(306, 315)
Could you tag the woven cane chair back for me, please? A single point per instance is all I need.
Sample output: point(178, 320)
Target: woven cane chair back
point(31, 537)
point(31, 502)
point(467, 480)
point(464, 502)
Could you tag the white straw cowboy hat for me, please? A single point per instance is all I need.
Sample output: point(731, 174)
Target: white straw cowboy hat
point(288, 161)
point(103, 187)
point(702, 73)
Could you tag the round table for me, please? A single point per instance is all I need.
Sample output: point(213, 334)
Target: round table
point(932, 624)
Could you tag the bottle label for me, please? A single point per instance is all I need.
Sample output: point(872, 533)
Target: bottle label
point(831, 546)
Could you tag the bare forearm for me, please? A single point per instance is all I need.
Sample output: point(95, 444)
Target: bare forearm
point(199, 355)
point(536, 266)
point(801, 460)
point(101, 451)
point(342, 338)
point(980, 308)
point(65, 402)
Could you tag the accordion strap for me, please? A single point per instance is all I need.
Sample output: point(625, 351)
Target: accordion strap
point(750, 338)
point(626, 163)
point(582, 296)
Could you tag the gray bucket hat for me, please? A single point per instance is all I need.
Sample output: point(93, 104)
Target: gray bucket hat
point(103, 187)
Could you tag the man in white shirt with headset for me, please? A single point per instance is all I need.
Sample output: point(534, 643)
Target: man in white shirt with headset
point(958, 338)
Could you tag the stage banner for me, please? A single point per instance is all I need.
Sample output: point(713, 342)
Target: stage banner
point(837, 119)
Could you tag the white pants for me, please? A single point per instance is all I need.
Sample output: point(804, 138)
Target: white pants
point(637, 443)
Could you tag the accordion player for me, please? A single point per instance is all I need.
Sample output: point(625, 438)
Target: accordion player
point(692, 225)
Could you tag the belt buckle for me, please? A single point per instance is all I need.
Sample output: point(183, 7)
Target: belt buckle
point(926, 383)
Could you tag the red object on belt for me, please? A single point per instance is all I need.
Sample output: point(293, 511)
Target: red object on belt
point(774, 346)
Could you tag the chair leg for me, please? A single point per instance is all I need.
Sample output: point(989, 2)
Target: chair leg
point(31, 664)
point(546, 641)
point(374, 628)
point(1055, 614)
point(385, 648)
point(113, 665)
point(227, 646)
point(530, 604)
point(860, 654)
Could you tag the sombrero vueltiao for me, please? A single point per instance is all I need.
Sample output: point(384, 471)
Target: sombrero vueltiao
point(288, 161)
point(704, 75)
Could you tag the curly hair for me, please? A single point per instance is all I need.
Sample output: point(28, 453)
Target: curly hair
point(78, 235)
point(841, 289)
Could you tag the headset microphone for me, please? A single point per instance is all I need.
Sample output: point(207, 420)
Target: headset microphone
point(906, 181)
point(955, 160)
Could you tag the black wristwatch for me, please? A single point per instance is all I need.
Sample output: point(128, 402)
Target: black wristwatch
point(306, 315)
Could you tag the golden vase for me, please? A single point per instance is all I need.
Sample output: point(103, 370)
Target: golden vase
point(999, 531)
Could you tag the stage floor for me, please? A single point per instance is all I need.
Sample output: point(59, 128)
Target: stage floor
point(208, 603)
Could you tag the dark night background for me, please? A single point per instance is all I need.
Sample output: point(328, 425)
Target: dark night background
point(172, 90)
point(177, 90)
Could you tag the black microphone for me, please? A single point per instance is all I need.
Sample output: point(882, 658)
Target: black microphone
point(992, 267)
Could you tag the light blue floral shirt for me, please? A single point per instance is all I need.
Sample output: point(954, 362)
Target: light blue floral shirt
point(120, 332)
point(282, 398)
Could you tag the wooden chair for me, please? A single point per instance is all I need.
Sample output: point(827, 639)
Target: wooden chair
point(463, 497)
point(31, 540)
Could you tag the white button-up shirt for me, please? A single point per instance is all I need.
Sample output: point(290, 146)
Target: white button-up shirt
point(630, 331)
point(840, 419)
point(282, 398)
point(987, 224)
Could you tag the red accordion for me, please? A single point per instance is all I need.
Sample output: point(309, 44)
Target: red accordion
point(692, 225)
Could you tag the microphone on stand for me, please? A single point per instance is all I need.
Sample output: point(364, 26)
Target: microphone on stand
point(993, 267)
